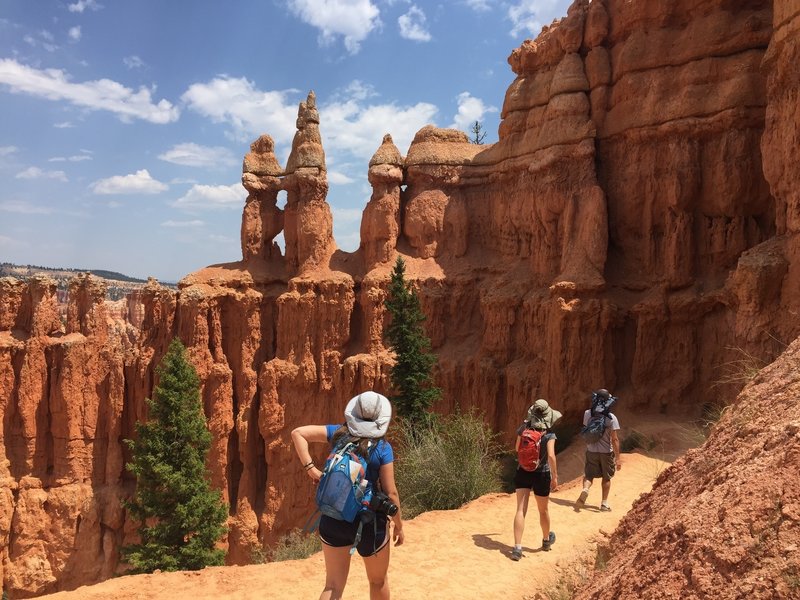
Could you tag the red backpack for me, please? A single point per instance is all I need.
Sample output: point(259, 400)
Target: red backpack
point(528, 453)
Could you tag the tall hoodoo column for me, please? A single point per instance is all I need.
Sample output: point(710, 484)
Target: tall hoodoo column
point(262, 220)
point(308, 223)
point(380, 224)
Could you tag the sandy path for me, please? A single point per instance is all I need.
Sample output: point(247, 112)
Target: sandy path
point(447, 554)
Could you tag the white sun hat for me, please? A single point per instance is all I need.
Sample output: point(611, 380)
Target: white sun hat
point(368, 414)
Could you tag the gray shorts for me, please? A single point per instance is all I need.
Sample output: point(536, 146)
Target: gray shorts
point(600, 464)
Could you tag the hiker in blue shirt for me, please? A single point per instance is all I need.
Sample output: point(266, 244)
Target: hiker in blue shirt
point(367, 419)
point(537, 471)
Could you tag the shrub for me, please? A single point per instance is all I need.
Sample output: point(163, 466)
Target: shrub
point(568, 583)
point(295, 545)
point(444, 462)
point(740, 370)
point(636, 439)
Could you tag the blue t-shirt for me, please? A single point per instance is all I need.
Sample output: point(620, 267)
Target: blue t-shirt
point(382, 454)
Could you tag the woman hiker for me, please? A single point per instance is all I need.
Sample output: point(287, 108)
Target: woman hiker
point(367, 418)
point(537, 471)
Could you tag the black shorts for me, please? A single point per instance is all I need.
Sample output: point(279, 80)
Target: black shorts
point(341, 533)
point(538, 481)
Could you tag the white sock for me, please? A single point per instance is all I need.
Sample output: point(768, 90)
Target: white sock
point(517, 546)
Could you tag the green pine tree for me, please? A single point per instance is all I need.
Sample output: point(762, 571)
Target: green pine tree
point(411, 374)
point(181, 516)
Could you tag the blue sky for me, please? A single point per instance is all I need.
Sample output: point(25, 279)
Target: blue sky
point(124, 123)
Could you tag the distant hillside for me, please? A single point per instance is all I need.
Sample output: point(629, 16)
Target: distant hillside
point(118, 284)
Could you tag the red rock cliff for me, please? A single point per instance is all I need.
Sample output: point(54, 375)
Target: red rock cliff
point(635, 221)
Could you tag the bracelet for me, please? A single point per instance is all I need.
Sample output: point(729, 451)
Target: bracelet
point(309, 465)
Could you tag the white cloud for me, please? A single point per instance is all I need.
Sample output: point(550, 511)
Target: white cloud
point(101, 94)
point(479, 5)
point(63, 125)
point(355, 90)
point(46, 41)
point(24, 208)
point(74, 158)
point(528, 16)
point(352, 123)
point(182, 181)
point(183, 224)
point(346, 215)
point(82, 5)
point(74, 33)
point(353, 20)
point(194, 155)
point(37, 173)
point(350, 126)
point(133, 62)
point(338, 178)
point(412, 25)
point(136, 183)
point(470, 109)
point(248, 110)
point(212, 197)
point(8, 150)
point(224, 239)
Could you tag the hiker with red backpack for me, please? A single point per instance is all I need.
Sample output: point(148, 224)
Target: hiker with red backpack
point(356, 493)
point(599, 431)
point(537, 471)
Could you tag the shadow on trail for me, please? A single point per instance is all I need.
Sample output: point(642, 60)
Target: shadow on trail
point(571, 504)
point(562, 501)
point(484, 540)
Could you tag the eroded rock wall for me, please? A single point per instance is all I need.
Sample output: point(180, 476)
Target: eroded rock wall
point(634, 227)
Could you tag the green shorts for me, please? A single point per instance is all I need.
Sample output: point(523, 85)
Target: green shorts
point(600, 464)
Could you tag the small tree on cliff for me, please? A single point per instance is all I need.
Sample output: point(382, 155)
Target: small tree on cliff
point(181, 516)
point(478, 134)
point(411, 374)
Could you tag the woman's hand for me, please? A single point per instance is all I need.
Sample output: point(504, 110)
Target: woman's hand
point(554, 483)
point(315, 474)
point(398, 536)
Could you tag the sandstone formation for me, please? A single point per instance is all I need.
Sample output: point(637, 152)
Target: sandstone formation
point(380, 225)
point(635, 226)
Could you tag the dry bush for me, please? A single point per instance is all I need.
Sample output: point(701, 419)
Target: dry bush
point(295, 545)
point(445, 462)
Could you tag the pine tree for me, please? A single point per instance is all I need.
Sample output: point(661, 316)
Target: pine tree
point(181, 516)
point(411, 374)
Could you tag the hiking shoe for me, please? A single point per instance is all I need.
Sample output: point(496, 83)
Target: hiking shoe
point(546, 544)
point(605, 508)
point(516, 554)
point(582, 499)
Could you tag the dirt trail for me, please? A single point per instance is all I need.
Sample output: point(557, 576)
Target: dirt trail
point(447, 554)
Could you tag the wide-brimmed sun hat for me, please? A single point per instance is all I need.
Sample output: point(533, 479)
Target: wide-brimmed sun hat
point(541, 415)
point(368, 414)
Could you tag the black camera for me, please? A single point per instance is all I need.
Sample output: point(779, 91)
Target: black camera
point(381, 503)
